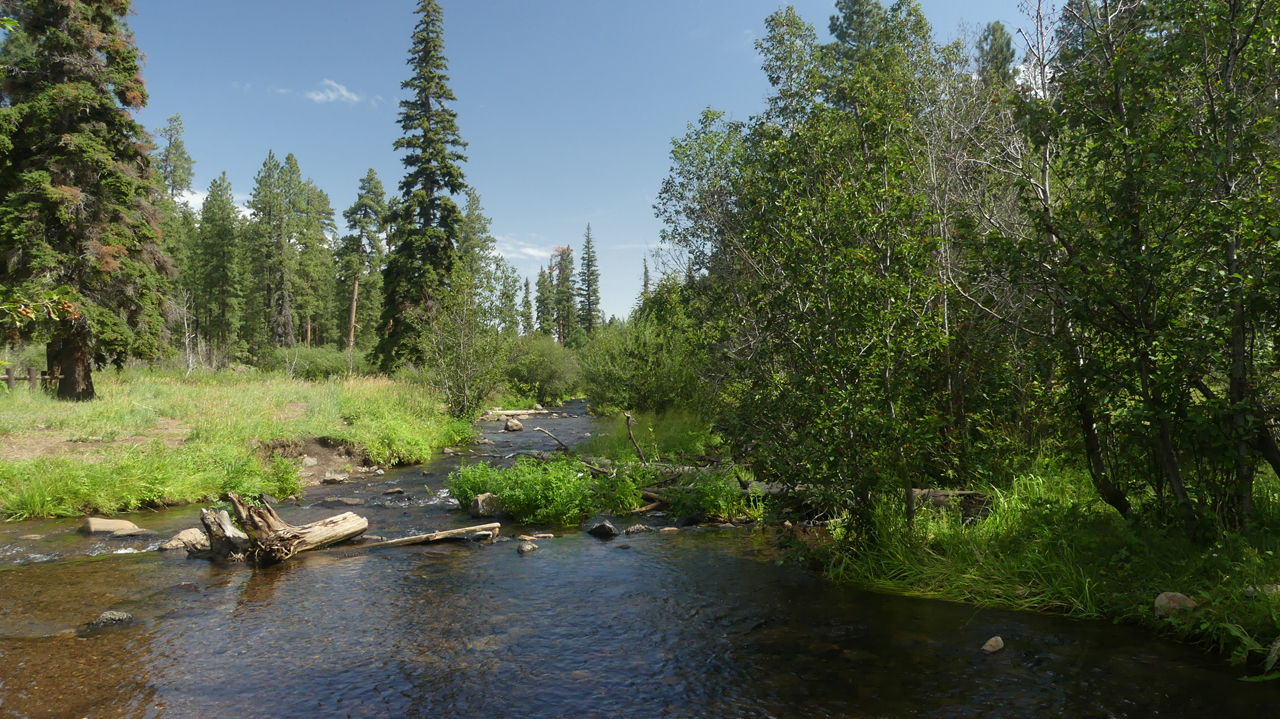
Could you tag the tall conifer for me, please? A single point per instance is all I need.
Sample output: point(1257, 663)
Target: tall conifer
point(75, 183)
point(217, 268)
point(361, 256)
point(426, 219)
point(589, 291)
point(526, 312)
point(545, 302)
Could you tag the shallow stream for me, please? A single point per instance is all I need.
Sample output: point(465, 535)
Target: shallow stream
point(693, 624)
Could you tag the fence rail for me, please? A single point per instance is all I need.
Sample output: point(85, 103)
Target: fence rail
point(34, 377)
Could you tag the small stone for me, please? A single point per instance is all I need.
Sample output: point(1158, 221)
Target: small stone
point(379, 472)
point(1170, 603)
point(522, 416)
point(527, 548)
point(564, 415)
point(349, 501)
point(623, 546)
point(668, 530)
point(450, 450)
point(728, 525)
point(513, 425)
point(31, 537)
point(189, 539)
point(394, 490)
point(484, 505)
point(269, 499)
point(110, 619)
point(602, 529)
point(544, 535)
point(335, 477)
point(309, 461)
point(993, 645)
point(537, 406)
point(98, 525)
point(1270, 589)
point(639, 529)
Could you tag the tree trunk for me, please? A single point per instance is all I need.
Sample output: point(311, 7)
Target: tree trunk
point(74, 363)
point(351, 323)
point(1110, 493)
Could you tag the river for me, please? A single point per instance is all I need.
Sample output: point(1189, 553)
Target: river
point(695, 624)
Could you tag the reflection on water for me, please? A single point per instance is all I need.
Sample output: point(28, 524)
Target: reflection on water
point(695, 624)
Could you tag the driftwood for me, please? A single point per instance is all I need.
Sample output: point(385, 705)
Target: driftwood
point(274, 540)
point(630, 434)
point(552, 436)
point(495, 528)
point(225, 538)
point(649, 507)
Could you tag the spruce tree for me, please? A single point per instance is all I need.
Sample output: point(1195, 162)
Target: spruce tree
point(171, 161)
point(565, 293)
point(589, 275)
point(645, 285)
point(526, 312)
point(314, 288)
point(75, 184)
point(995, 55)
point(217, 268)
point(274, 256)
point(426, 219)
point(545, 302)
point(361, 256)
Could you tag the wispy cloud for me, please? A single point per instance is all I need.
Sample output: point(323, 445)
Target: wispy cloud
point(521, 251)
point(333, 92)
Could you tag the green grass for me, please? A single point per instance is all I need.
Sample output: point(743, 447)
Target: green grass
point(1050, 546)
point(669, 436)
point(228, 414)
point(560, 492)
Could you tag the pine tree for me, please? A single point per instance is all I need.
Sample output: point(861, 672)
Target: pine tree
point(361, 256)
point(589, 275)
point(314, 289)
point(75, 184)
point(274, 256)
point(645, 286)
point(426, 220)
point(545, 302)
point(564, 294)
point(473, 229)
point(171, 161)
point(995, 55)
point(526, 312)
point(217, 269)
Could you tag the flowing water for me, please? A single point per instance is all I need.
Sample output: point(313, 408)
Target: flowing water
point(694, 624)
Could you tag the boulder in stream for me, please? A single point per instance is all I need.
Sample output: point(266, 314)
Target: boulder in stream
point(1170, 603)
point(98, 525)
point(109, 620)
point(993, 645)
point(192, 539)
point(335, 477)
point(513, 425)
point(484, 505)
point(527, 548)
point(639, 529)
point(602, 529)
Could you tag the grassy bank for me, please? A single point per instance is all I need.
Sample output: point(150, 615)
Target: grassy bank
point(1049, 545)
point(154, 436)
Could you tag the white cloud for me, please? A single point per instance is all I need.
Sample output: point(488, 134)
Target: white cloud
point(333, 92)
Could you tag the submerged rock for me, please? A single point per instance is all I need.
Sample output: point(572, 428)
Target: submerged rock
point(602, 529)
point(639, 529)
point(484, 505)
point(1170, 603)
point(379, 472)
point(513, 425)
point(349, 501)
point(189, 539)
point(527, 548)
point(993, 645)
point(31, 537)
point(98, 525)
point(109, 620)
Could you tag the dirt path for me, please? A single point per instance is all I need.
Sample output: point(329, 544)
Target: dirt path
point(54, 443)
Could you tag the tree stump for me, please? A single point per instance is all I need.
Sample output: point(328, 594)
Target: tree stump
point(274, 540)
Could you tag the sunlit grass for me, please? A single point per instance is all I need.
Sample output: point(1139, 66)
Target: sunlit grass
point(226, 416)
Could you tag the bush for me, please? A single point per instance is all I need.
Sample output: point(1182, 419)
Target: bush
point(544, 369)
point(559, 492)
point(671, 434)
point(314, 363)
point(642, 364)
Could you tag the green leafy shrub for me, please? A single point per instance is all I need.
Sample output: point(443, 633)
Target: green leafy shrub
point(559, 492)
point(548, 371)
point(669, 435)
point(314, 363)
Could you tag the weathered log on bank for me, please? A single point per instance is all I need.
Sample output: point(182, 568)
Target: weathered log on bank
point(274, 540)
point(494, 529)
point(225, 538)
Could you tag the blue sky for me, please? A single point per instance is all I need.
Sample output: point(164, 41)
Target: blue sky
point(569, 106)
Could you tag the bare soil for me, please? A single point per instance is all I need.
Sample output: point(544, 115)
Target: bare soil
point(56, 443)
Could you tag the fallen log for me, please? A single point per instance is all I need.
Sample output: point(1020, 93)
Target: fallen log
point(495, 528)
point(518, 412)
point(274, 540)
point(649, 507)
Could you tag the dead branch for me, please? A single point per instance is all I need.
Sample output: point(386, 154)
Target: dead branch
point(552, 436)
point(494, 527)
point(630, 434)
